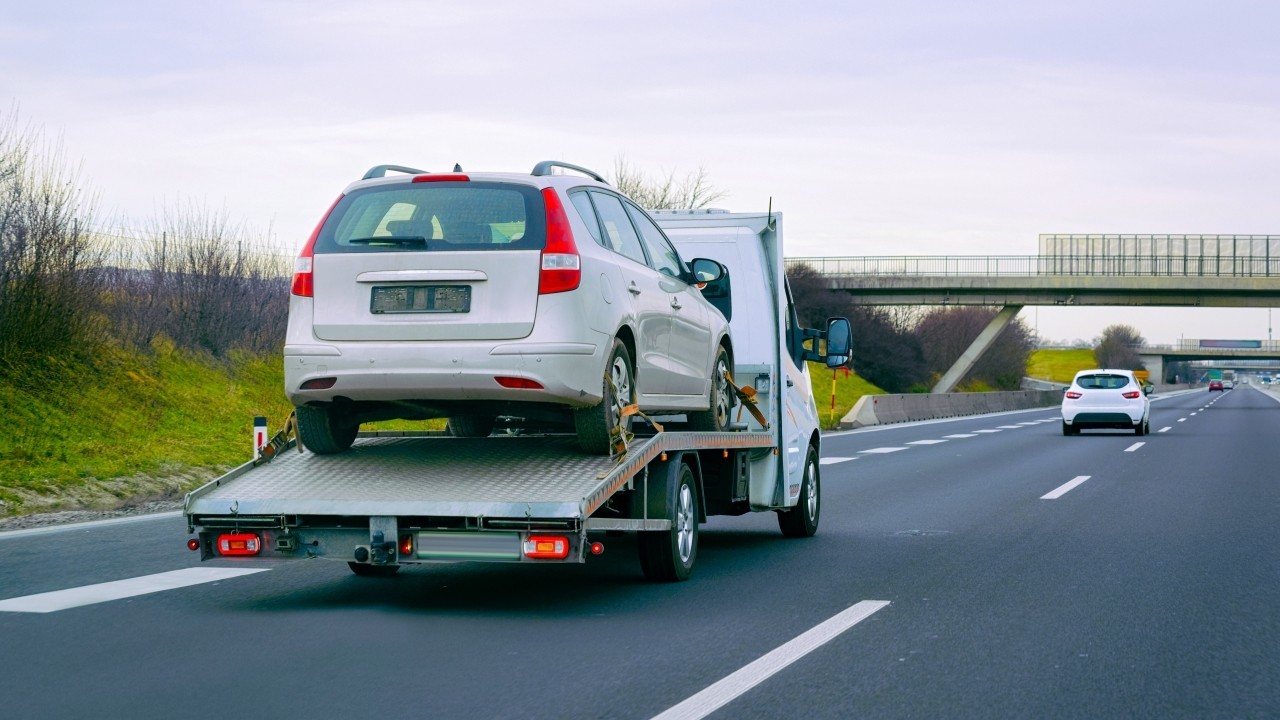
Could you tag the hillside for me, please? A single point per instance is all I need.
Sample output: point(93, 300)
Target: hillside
point(1060, 365)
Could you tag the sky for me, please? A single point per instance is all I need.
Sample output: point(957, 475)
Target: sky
point(894, 128)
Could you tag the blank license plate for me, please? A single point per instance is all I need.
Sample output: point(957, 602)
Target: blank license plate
point(421, 299)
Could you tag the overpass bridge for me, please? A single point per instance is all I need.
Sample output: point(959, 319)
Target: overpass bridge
point(1235, 354)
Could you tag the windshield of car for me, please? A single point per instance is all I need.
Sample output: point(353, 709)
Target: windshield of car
point(438, 216)
point(1102, 382)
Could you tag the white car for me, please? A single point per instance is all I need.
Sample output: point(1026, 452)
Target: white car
point(543, 297)
point(1228, 384)
point(1105, 399)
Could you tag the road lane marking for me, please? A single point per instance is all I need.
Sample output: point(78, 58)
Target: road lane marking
point(1134, 447)
point(834, 460)
point(1193, 414)
point(986, 431)
point(1182, 419)
point(725, 690)
point(119, 589)
point(1028, 424)
point(959, 436)
point(1064, 488)
point(50, 529)
point(1166, 428)
point(883, 450)
point(1009, 427)
point(926, 442)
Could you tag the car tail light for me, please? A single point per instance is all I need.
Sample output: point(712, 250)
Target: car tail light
point(323, 383)
point(239, 544)
point(546, 547)
point(303, 279)
point(561, 266)
point(1132, 394)
point(1073, 395)
point(441, 177)
point(518, 383)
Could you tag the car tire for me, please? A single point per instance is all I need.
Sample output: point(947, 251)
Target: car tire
point(1141, 429)
point(324, 431)
point(801, 521)
point(1068, 430)
point(717, 417)
point(669, 555)
point(471, 426)
point(596, 423)
point(367, 570)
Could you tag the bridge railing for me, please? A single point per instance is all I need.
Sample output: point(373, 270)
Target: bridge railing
point(1189, 345)
point(1039, 265)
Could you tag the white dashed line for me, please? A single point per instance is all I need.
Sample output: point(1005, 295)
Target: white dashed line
point(1009, 427)
point(1134, 447)
point(1064, 488)
point(1167, 428)
point(834, 460)
point(1193, 414)
point(724, 691)
point(1182, 419)
point(883, 450)
point(986, 431)
point(1026, 424)
point(120, 589)
point(959, 436)
point(926, 442)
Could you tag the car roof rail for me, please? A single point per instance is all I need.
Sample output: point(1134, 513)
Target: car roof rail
point(544, 168)
point(378, 171)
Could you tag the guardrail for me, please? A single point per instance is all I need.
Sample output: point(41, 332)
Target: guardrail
point(1042, 265)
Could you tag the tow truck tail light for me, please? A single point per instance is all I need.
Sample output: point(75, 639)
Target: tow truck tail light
point(239, 544)
point(1132, 394)
point(561, 267)
point(1073, 395)
point(406, 545)
point(546, 547)
point(303, 278)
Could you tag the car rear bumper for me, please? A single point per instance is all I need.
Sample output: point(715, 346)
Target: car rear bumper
point(1101, 417)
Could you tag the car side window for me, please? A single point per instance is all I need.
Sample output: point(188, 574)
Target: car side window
point(665, 258)
point(582, 202)
point(619, 235)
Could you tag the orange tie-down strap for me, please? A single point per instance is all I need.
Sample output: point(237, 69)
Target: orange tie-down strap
point(280, 441)
point(747, 395)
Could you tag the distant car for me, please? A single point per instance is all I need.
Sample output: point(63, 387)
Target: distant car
point(1228, 384)
point(1106, 399)
point(1215, 385)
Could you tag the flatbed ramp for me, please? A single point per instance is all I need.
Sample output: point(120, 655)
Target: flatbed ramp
point(527, 477)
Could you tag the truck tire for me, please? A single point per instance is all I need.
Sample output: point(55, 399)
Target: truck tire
point(367, 570)
point(717, 417)
point(801, 521)
point(594, 424)
point(323, 431)
point(471, 426)
point(668, 556)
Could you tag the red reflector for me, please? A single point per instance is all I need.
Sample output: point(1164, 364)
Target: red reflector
point(518, 383)
point(193, 544)
point(546, 547)
point(1132, 394)
point(441, 177)
point(597, 548)
point(319, 383)
point(406, 545)
point(239, 544)
point(1073, 395)
point(561, 267)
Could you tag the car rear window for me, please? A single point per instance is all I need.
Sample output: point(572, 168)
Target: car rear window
point(1102, 382)
point(435, 216)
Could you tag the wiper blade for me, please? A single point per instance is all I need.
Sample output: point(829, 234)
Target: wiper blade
point(390, 240)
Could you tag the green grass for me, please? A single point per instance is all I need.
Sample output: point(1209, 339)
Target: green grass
point(849, 387)
point(1060, 365)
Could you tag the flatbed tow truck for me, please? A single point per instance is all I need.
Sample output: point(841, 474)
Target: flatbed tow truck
point(400, 499)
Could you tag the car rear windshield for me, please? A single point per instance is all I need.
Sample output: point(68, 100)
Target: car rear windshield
point(1102, 382)
point(435, 216)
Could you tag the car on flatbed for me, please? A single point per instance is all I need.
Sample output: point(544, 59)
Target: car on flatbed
point(539, 297)
point(1106, 399)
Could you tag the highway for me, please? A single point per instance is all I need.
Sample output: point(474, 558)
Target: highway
point(1026, 574)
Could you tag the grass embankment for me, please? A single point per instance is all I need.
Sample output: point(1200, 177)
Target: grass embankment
point(1060, 365)
point(849, 388)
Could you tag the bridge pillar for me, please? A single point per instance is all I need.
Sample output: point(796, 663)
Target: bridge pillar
point(1155, 366)
point(976, 349)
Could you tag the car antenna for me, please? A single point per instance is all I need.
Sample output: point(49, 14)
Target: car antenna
point(457, 167)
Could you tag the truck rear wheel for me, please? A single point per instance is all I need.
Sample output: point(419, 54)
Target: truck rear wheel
point(668, 556)
point(367, 570)
point(596, 423)
point(717, 417)
point(802, 520)
point(471, 426)
point(324, 431)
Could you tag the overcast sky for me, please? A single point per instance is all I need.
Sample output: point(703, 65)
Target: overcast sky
point(877, 128)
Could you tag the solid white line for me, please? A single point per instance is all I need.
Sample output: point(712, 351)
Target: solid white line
point(926, 442)
point(882, 450)
point(120, 589)
point(723, 691)
point(986, 431)
point(935, 421)
point(50, 529)
point(959, 436)
point(1134, 447)
point(1064, 488)
point(834, 460)
point(1165, 429)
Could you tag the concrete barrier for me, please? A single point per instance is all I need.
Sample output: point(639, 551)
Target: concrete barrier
point(884, 409)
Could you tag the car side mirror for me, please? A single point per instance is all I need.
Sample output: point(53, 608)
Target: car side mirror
point(839, 342)
point(1146, 390)
point(705, 270)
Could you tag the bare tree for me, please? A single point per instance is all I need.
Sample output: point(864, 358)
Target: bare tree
point(665, 192)
point(1117, 348)
point(945, 333)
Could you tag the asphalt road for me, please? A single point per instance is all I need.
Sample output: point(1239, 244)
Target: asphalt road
point(1147, 590)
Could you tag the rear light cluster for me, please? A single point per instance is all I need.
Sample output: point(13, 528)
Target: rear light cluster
point(561, 267)
point(303, 278)
point(239, 544)
point(1073, 395)
point(546, 547)
point(1132, 394)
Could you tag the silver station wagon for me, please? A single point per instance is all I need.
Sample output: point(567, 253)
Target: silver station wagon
point(542, 298)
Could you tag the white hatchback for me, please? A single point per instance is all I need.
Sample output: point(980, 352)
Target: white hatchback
point(1105, 399)
point(542, 297)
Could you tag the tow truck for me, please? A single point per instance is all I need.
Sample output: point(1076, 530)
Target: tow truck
point(398, 499)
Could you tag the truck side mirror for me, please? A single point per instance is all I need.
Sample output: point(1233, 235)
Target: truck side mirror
point(839, 342)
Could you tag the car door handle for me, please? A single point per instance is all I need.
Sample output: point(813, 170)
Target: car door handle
point(675, 303)
point(633, 288)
